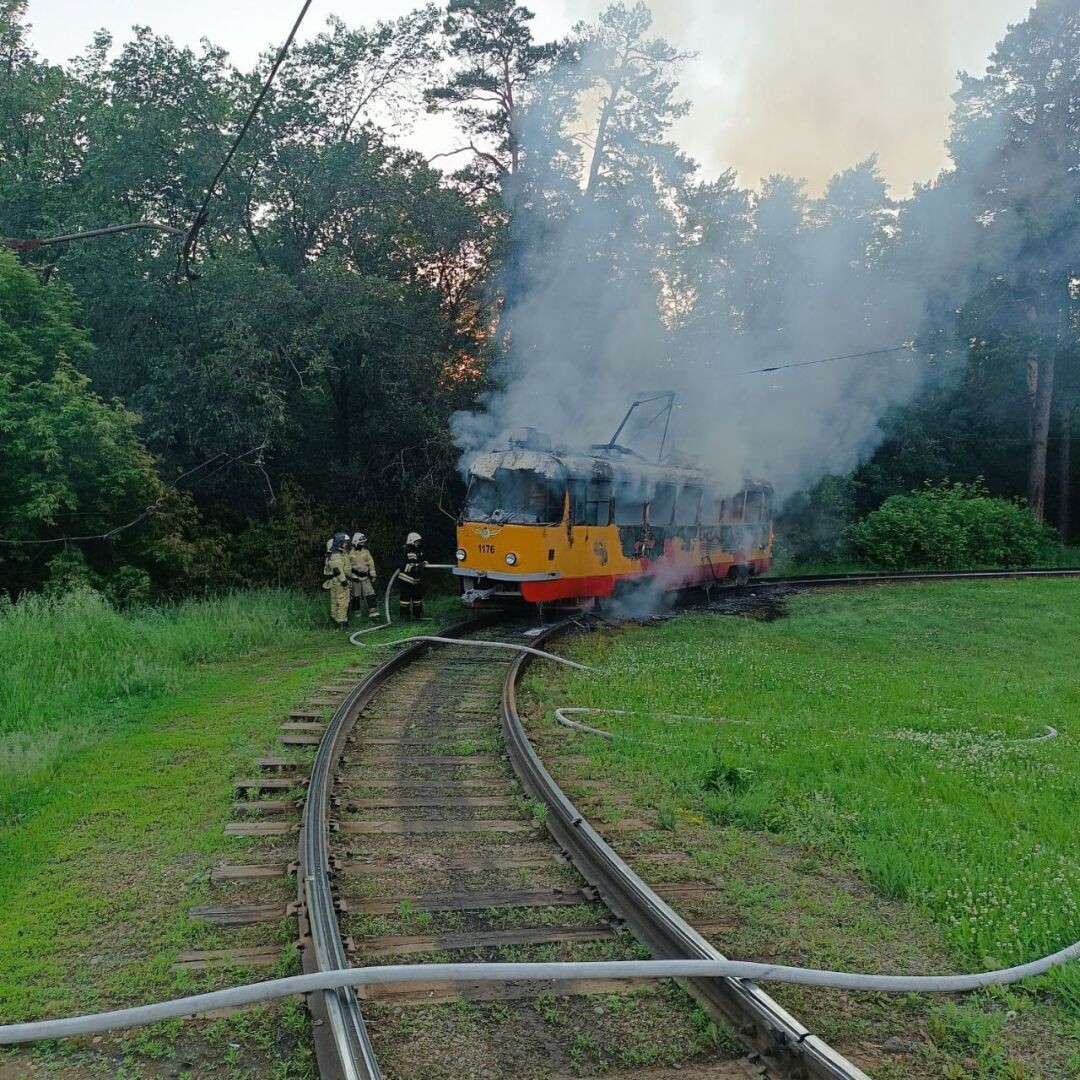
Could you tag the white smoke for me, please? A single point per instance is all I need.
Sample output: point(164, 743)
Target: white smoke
point(646, 290)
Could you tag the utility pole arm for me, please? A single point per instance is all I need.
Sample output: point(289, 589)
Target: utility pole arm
point(32, 243)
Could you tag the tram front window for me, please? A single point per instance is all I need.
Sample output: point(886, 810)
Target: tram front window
point(515, 496)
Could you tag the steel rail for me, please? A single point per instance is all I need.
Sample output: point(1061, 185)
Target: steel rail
point(779, 1045)
point(810, 580)
point(342, 1046)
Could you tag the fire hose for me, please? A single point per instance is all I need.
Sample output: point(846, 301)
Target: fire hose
point(95, 1023)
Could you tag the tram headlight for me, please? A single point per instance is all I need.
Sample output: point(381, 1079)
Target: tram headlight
point(460, 554)
point(511, 559)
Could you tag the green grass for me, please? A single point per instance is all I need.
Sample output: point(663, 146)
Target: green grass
point(131, 729)
point(76, 671)
point(879, 731)
point(120, 738)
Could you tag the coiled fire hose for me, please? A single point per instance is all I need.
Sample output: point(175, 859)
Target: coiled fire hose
point(386, 604)
point(386, 613)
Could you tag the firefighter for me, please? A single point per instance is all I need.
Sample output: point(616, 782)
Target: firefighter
point(363, 568)
point(338, 579)
point(410, 568)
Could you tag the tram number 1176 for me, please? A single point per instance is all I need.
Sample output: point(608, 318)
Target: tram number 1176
point(487, 549)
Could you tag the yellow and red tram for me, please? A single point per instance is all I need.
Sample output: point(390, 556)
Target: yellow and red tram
point(543, 525)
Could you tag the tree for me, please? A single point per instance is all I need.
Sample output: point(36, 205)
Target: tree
point(490, 92)
point(1015, 141)
point(69, 462)
point(344, 76)
point(634, 77)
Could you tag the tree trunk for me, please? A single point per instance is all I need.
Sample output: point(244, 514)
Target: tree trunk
point(342, 417)
point(511, 119)
point(1032, 387)
point(1040, 434)
point(601, 131)
point(1064, 468)
point(1032, 314)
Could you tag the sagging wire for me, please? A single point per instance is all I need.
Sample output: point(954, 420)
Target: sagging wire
point(830, 359)
point(147, 511)
point(201, 217)
point(563, 715)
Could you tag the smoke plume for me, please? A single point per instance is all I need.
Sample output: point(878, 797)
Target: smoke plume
point(656, 280)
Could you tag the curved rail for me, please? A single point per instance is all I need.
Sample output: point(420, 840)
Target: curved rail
point(916, 575)
point(783, 1047)
point(342, 1045)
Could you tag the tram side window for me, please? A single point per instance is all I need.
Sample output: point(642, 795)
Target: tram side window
point(732, 510)
point(630, 504)
point(662, 504)
point(576, 488)
point(712, 510)
point(755, 507)
point(686, 507)
point(591, 502)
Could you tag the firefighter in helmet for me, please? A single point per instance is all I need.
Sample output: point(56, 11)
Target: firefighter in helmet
point(410, 569)
point(338, 578)
point(363, 567)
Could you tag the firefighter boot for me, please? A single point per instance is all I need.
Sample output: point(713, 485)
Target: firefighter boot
point(418, 610)
point(372, 608)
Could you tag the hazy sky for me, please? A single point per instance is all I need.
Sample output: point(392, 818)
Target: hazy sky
point(803, 87)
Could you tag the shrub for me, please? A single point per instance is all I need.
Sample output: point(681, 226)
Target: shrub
point(950, 526)
point(129, 587)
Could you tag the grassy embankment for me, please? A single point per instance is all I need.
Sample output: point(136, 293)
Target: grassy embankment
point(881, 733)
point(120, 735)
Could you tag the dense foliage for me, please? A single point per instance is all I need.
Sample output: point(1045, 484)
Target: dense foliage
point(346, 297)
point(948, 527)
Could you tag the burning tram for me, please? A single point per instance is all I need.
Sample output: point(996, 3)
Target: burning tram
point(545, 525)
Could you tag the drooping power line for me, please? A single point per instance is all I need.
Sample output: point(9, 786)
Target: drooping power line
point(147, 511)
point(829, 359)
point(200, 217)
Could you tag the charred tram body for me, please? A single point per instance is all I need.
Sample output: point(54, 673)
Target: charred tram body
point(543, 525)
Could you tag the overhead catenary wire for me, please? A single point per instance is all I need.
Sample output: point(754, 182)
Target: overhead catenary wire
point(831, 359)
point(190, 235)
point(200, 218)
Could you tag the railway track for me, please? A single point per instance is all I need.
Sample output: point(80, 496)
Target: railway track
point(421, 840)
point(824, 580)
